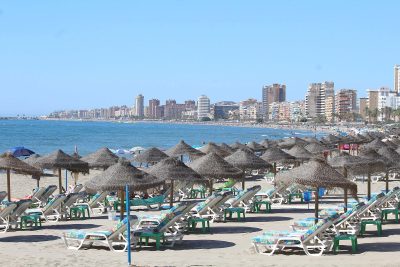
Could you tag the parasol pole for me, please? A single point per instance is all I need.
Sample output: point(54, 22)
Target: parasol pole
point(171, 195)
point(59, 181)
point(9, 184)
point(316, 205)
point(128, 227)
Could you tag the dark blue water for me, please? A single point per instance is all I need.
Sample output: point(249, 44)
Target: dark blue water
point(46, 136)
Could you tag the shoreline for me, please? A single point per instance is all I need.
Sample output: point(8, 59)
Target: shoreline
point(328, 129)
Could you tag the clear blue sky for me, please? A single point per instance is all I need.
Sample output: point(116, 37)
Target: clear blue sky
point(84, 54)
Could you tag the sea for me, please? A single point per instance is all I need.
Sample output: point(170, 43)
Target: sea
point(45, 136)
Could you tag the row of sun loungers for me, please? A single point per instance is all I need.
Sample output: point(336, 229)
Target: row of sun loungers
point(316, 238)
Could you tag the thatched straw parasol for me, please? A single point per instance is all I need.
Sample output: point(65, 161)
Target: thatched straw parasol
point(300, 153)
point(330, 139)
point(60, 160)
point(268, 143)
point(311, 139)
point(151, 155)
point(376, 144)
point(214, 148)
point(212, 166)
point(101, 159)
point(371, 162)
point(227, 148)
point(10, 163)
point(255, 146)
point(120, 175)
point(288, 143)
point(244, 159)
point(173, 169)
point(317, 173)
point(315, 148)
point(238, 145)
point(277, 155)
point(395, 141)
point(181, 149)
point(31, 160)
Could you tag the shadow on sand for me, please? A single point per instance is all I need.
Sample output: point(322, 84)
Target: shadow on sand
point(79, 226)
point(233, 229)
point(29, 238)
point(268, 218)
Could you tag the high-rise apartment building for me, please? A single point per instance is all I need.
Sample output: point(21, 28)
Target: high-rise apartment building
point(316, 98)
point(139, 106)
point(363, 105)
point(396, 86)
point(270, 94)
point(373, 97)
point(154, 108)
point(203, 107)
point(345, 102)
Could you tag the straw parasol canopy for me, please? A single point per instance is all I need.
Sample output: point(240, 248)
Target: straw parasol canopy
point(255, 146)
point(227, 148)
point(150, 155)
point(315, 148)
point(116, 177)
point(376, 144)
point(288, 143)
point(276, 154)
point(60, 160)
point(330, 139)
point(10, 163)
point(395, 141)
point(101, 159)
point(214, 148)
point(316, 173)
point(238, 145)
point(390, 144)
point(181, 149)
point(32, 159)
point(311, 139)
point(212, 166)
point(300, 153)
point(173, 169)
point(120, 175)
point(268, 143)
point(244, 159)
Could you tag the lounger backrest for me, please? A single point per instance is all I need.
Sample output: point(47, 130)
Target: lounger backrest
point(236, 200)
point(38, 193)
point(99, 197)
point(252, 192)
point(49, 191)
point(70, 200)
point(221, 202)
point(370, 204)
point(22, 206)
point(170, 219)
point(77, 188)
point(120, 227)
point(318, 228)
point(349, 214)
point(53, 204)
point(202, 207)
point(7, 210)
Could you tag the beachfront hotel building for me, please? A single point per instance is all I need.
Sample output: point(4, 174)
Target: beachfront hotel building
point(345, 102)
point(363, 105)
point(154, 109)
point(270, 94)
point(330, 108)
point(396, 86)
point(203, 107)
point(286, 111)
point(250, 110)
point(316, 98)
point(139, 106)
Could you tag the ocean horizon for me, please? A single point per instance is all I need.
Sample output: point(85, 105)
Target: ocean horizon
point(45, 136)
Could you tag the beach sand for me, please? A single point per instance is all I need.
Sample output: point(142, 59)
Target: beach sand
point(229, 244)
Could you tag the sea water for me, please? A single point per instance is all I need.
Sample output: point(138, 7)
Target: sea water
point(44, 136)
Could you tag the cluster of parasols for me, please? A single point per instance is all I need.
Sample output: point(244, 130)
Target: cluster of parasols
point(318, 163)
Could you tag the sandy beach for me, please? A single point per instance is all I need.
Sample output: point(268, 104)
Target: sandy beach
point(228, 244)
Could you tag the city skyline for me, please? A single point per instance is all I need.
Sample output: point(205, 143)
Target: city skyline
point(183, 50)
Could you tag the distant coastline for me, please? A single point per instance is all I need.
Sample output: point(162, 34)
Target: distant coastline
point(334, 129)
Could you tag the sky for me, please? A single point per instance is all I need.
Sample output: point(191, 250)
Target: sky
point(85, 54)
